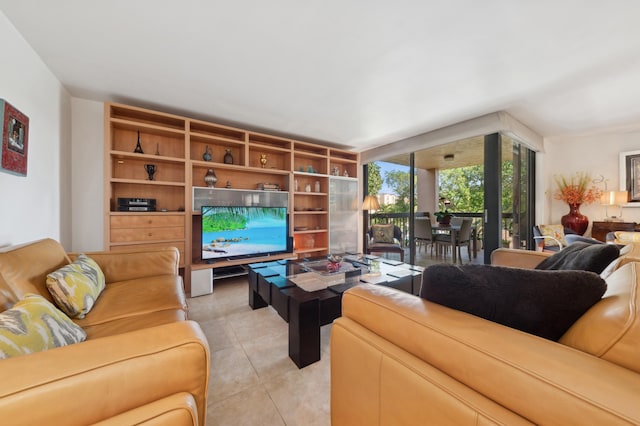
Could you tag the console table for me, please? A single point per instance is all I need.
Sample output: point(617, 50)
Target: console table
point(272, 283)
point(599, 230)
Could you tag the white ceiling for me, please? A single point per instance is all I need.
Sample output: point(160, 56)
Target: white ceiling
point(352, 72)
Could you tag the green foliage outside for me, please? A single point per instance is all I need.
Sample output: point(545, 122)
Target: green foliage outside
point(463, 186)
point(374, 184)
point(399, 181)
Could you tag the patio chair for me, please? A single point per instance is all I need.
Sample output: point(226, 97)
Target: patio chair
point(385, 238)
point(463, 238)
point(423, 232)
point(550, 238)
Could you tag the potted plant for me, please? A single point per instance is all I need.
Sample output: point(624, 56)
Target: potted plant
point(443, 216)
point(576, 191)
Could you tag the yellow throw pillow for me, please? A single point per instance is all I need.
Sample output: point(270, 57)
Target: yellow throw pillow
point(382, 233)
point(76, 287)
point(555, 231)
point(34, 324)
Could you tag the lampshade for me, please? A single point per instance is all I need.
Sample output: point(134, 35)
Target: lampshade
point(613, 198)
point(370, 203)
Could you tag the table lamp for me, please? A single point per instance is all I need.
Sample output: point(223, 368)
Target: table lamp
point(370, 203)
point(611, 199)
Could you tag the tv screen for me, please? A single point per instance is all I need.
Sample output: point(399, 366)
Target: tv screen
point(232, 232)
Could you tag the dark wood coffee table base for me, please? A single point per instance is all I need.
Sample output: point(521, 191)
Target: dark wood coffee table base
point(306, 311)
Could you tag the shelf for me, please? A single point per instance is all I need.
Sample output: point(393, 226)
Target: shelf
point(173, 213)
point(218, 132)
point(142, 117)
point(309, 193)
point(148, 182)
point(121, 155)
point(310, 250)
point(147, 128)
point(311, 231)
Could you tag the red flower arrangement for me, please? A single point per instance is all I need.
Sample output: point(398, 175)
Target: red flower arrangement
point(576, 190)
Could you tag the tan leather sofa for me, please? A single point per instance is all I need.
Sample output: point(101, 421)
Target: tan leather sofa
point(142, 362)
point(397, 359)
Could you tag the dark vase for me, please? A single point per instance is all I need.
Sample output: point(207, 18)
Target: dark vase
point(444, 219)
point(228, 157)
point(575, 220)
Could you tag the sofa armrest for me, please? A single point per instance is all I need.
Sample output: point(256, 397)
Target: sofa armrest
point(133, 264)
point(540, 380)
point(95, 380)
point(518, 258)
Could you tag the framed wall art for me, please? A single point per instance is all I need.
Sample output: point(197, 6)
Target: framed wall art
point(15, 139)
point(630, 174)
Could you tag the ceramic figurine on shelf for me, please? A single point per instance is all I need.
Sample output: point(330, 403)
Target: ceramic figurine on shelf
point(138, 148)
point(346, 173)
point(228, 157)
point(336, 171)
point(263, 160)
point(317, 186)
point(210, 178)
point(151, 170)
point(207, 154)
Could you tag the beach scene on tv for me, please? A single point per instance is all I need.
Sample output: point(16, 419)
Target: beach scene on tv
point(243, 231)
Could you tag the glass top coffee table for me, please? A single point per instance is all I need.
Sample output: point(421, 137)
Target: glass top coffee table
point(308, 294)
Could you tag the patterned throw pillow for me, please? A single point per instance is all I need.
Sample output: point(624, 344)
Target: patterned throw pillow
point(382, 233)
point(555, 231)
point(34, 324)
point(76, 287)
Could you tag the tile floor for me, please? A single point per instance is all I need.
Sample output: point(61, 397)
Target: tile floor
point(252, 380)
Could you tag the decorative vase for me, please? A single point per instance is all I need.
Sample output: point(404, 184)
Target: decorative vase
point(151, 169)
point(228, 157)
point(575, 220)
point(444, 219)
point(210, 178)
point(207, 154)
point(263, 160)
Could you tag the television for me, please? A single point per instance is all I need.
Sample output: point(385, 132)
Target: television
point(231, 232)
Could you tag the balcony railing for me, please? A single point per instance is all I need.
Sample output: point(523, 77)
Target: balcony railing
point(402, 221)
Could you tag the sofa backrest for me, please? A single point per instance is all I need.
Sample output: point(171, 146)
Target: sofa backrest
point(610, 329)
point(24, 269)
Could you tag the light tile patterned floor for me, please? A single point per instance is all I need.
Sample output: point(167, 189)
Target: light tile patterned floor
point(252, 380)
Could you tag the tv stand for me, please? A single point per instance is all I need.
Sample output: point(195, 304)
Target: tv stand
point(225, 263)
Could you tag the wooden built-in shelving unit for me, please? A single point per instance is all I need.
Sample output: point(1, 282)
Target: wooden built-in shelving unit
point(175, 145)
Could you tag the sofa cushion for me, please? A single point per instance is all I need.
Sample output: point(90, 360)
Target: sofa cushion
point(544, 303)
point(136, 297)
point(382, 233)
point(611, 328)
point(76, 287)
point(582, 256)
point(132, 323)
point(34, 324)
point(24, 268)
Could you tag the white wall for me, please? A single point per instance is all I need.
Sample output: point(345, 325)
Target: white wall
point(32, 206)
point(597, 154)
point(87, 171)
